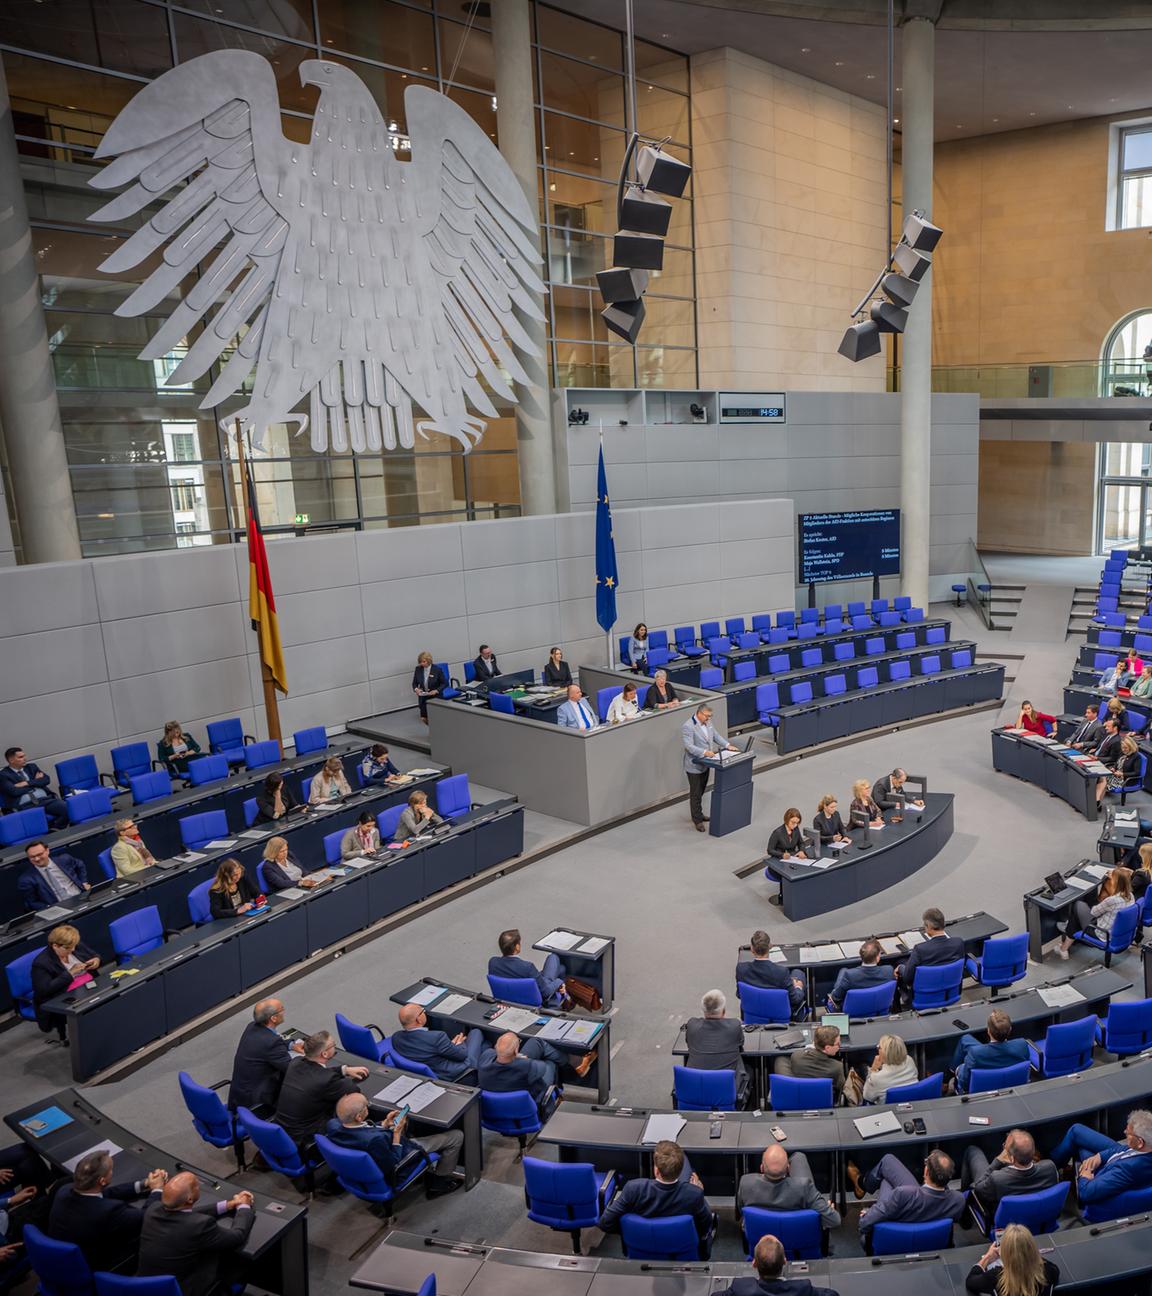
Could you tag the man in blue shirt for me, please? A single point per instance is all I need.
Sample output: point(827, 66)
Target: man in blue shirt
point(389, 1146)
point(576, 713)
point(1107, 1168)
point(871, 972)
point(550, 980)
point(1000, 1051)
point(900, 1199)
point(663, 1195)
point(51, 878)
point(447, 1059)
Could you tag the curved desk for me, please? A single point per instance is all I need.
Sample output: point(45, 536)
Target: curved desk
point(1046, 764)
point(898, 851)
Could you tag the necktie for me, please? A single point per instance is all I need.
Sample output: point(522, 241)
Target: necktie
point(585, 723)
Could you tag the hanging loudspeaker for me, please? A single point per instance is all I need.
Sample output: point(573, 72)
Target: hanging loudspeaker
point(624, 318)
point(920, 233)
point(662, 172)
point(860, 341)
point(638, 251)
point(899, 288)
point(913, 264)
point(645, 212)
point(618, 284)
point(888, 318)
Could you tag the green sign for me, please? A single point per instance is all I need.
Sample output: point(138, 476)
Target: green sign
point(302, 519)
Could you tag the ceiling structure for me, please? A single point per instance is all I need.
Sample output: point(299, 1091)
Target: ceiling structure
point(1001, 65)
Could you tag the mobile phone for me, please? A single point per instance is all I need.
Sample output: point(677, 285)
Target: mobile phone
point(777, 1133)
point(402, 1114)
point(918, 1126)
point(959, 1023)
point(715, 1129)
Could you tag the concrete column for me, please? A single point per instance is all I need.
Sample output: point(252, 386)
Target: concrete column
point(29, 409)
point(917, 77)
point(516, 130)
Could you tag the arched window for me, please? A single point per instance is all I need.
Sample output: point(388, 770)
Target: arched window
point(1123, 371)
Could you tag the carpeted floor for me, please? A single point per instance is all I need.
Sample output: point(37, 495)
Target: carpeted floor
point(672, 899)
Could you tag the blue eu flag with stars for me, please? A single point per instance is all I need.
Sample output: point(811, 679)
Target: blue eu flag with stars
point(606, 579)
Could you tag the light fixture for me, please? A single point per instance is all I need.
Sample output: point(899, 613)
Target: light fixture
point(860, 341)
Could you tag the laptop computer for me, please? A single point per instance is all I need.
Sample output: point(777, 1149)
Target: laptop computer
point(840, 1021)
point(1055, 883)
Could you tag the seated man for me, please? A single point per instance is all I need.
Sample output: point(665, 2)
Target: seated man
point(761, 971)
point(817, 1061)
point(1107, 1168)
point(312, 1088)
point(550, 981)
point(94, 1214)
point(889, 794)
point(576, 713)
point(23, 786)
point(1014, 1170)
point(1113, 677)
point(1089, 732)
point(666, 1193)
point(769, 1260)
point(388, 1144)
point(261, 1059)
point(1000, 1051)
point(51, 878)
point(715, 1041)
point(871, 972)
point(512, 1066)
point(190, 1240)
point(901, 1200)
point(937, 947)
point(485, 665)
point(784, 1184)
point(447, 1059)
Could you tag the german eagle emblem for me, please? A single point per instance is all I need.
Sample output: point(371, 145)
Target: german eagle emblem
point(331, 272)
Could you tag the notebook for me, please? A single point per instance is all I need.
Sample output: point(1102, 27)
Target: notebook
point(872, 1126)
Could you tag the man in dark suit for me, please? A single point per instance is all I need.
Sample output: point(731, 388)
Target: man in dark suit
point(769, 1260)
point(512, 1066)
point(1000, 1051)
point(901, 1200)
point(550, 980)
point(24, 785)
point(1089, 732)
point(1108, 748)
point(447, 1059)
point(311, 1089)
point(1104, 1168)
point(871, 972)
point(937, 947)
point(389, 1146)
point(819, 1060)
point(94, 1214)
point(888, 793)
point(184, 1239)
point(761, 971)
point(485, 665)
point(1014, 1170)
point(715, 1041)
point(785, 1184)
point(262, 1058)
point(51, 878)
point(663, 1195)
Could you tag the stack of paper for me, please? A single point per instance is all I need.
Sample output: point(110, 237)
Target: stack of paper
point(582, 1032)
point(823, 863)
point(392, 1093)
point(1080, 883)
point(1098, 871)
point(222, 843)
point(514, 1019)
point(661, 1127)
point(776, 955)
point(911, 938)
point(560, 940)
point(554, 1029)
point(423, 1096)
point(820, 953)
point(421, 773)
point(428, 995)
point(891, 945)
point(1059, 996)
point(106, 1145)
point(453, 1003)
point(593, 945)
point(851, 948)
point(53, 913)
point(291, 893)
point(255, 834)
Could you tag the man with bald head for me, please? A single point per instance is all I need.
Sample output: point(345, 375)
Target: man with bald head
point(389, 1145)
point(1014, 1170)
point(186, 1238)
point(510, 1066)
point(312, 1088)
point(447, 1059)
point(97, 1215)
point(262, 1058)
point(784, 1184)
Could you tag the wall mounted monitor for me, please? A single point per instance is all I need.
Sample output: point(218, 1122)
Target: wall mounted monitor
point(847, 546)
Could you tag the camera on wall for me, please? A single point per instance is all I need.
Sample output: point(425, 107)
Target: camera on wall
point(577, 417)
point(699, 414)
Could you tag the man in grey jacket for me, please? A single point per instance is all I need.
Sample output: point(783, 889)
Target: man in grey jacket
point(700, 740)
point(785, 1184)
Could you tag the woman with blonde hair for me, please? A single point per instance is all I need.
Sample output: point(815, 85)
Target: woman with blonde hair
point(1115, 894)
point(330, 784)
point(231, 894)
point(176, 749)
point(64, 962)
point(862, 803)
point(427, 682)
point(827, 821)
point(129, 854)
point(282, 869)
point(1022, 1270)
point(891, 1067)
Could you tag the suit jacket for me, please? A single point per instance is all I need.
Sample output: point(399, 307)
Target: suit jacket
point(698, 739)
point(436, 681)
point(1108, 752)
point(37, 780)
point(771, 976)
point(446, 1061)
point(716, 1044)
point(408, 825)
point(810, 1063)
point(1120, 1171)
point(990, 1055)
point(655, 1200)
point(510, 1077)
point(860, 978)
point(33, 886)
point(262, 1057)
point(558, 676)
point(220, 902)
point(188, 1244)
point(829, 826)
point(774, 1287)
point(51, 978)
point(308, 1098)
point(264, 804)
point(375, 1141)
point(350, 843)
point(785, 1194)
point(515, 966)
point(485, 670)
point(1087, 732)
point(931, 953)
point(884, 795)
point(106, 1228)
point(1008, 1181)
point(275, 876)
point(653, 698)
point(568, 715)
point(912, 1205)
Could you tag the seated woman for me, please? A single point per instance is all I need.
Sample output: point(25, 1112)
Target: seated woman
point(283, 870)
point(231, 894)
point(1035, 722)
point(862, 804)
point(827, 821)
point(787, 841)
point(176, 749)
point(891, 1067)
point(661, 694)
point(427, 682)
point(1115, 894)
point(64, 960)
point(1119, 712)
point(638, 649)
point(1013, 1266)
point(1143, 686)
point(377, 767)
point(624, 705)
point(129, 854)
point(1124, 771)
point(363, 838)
point(330, 784)
point(417, 818)
point(557, 672)
point(275, 800)
point(1133, 669)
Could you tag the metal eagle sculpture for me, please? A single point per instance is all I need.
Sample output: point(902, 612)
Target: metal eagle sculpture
point(337, 273)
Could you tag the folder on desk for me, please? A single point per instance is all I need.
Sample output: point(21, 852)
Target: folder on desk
point(424, 1095)
point(45, 1122)
point(582, 1032)
point(453, 1003)
point(515, 1019)
point(428, 995)
point(661, 1126)
point(1098, 871)
point(560, 940)
point(556, 1028)
point(776, 955)
point(1059, 996)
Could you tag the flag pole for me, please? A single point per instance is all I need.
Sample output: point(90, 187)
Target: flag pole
point(271, 703)
point(607, 633)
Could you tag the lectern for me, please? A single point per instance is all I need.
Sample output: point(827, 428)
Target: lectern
point(731, 794)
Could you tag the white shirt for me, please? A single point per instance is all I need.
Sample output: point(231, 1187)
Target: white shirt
point(620, 710)
point(62, 885)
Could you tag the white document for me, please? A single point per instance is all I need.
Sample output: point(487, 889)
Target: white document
point(593, 945)
point(106, 1146)
point(423, 1096)
point(1059, 996)
point(911, 939)
point(808, 954)
point(420, 773)
point(851, 948)
point(453, 1003)
point(871, 1126)
point(776, 955)
point(1098, 871)
point(291, 893)
point(428, 995)
point(891, 945)
point(556, 1029)
point(1096, 768)
point(823, 863)
point(837, 846)
point(663, 1126)
point(582, 1032)
point(515, 1019)
point(53, 913)
point(392, 1093)
point(358, 862)
point(224, 843)
point(255, 834)
point(560, 940)
point(830, 951)
point(1079, 883)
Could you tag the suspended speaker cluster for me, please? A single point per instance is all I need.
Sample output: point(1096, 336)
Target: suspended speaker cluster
point(642, 219)
point(898, 284)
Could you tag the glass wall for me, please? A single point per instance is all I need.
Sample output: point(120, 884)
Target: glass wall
point(150, 470)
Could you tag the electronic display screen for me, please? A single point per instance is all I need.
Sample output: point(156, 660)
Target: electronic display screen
point(847, 546)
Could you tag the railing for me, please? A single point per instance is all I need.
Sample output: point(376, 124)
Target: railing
point(979, 585)
point(1060, 379)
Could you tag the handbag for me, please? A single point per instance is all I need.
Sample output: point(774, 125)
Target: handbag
point(582, 994)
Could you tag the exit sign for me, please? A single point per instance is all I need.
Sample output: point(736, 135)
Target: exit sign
point(302, 519)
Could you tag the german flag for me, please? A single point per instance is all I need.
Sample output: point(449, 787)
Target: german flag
point(261, 604)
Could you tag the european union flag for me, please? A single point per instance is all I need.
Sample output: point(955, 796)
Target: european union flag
point(606, 579)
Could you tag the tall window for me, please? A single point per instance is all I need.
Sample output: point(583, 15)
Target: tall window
point(1125, 371)
point(1134, 178)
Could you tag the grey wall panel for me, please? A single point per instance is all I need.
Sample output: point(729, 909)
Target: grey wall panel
point(689, 564)
point(748, 519)
point(48, 596)
point(575, 577)
point(576, 535)
point(402, 551)
point(50, 661)
point(500, 542)
point(695, 480)
point(144, 703)
point(144, 584)
point(328, 664)
point(745, 596)
point(756, 557)
point(625, 481)
point(949, 497)
point(314, 615)
point(329, 561)
point(140, 645)
point(751, 477)
point(394, 651)
point(520, 628)
point(681, 604)
point(412, 600)
point(663, 528)
point(689, 443)
point(70, 720)
point(389, 692)
point(330, 708)
point(522, 584)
